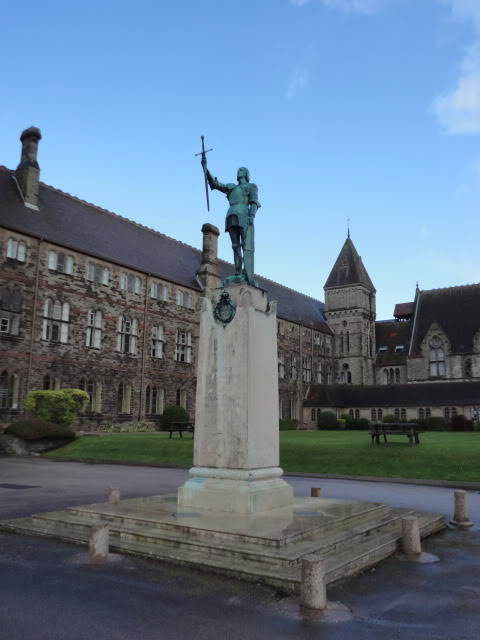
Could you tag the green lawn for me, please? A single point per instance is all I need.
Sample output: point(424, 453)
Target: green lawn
point(440, 456)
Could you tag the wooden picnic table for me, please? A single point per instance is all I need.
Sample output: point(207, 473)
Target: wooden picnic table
point(181, 427)
point(409, 429)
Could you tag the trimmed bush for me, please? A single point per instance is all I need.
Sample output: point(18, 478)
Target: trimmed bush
point(35, 429)
point(60, 406)
point(287, 424)
point(390, 418)
point(435, 424)
point(327, 420)
point(173, 413)
point(357, 424)
point(459, 423)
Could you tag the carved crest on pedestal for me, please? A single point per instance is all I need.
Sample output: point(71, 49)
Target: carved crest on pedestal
point(224, 310)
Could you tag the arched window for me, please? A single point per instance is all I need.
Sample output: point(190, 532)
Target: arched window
point(380, 414)
point(385, 376)
point(350, 413)
point(130, 283)
point(397, 376)
point(154, 400)
point(374, 415)
point(349, 377)
point(319, 372)
point(344, 374)
point(9, 384)
point(403, 415)
point(55, 321)
point(397, 414)
point(446, 414)
point(468, 368)
point(357, 414)
point(181, 398)
point(58, 261)
point(314, 415)
point(428, 412)
point(94, 329)
point(391, 378)
point(94, 390)
point(437, 357)
point(124, 398)
point(127, 334)
point(183, 346)
point(421, 413)
point(47, 384)
point(16, 250)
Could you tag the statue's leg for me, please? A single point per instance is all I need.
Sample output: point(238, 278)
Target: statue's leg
point(237, 249)
point(248, 253)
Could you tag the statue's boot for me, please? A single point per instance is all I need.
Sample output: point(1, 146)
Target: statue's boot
point(237, 258)
point(248, 262)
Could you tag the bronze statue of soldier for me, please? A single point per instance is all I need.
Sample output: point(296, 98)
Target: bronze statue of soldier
point(243, 200)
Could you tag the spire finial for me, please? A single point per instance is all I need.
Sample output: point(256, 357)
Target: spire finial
point(348, 228)
point(418, 289)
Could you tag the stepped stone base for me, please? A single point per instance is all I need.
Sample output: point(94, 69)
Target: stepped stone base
point(263, 547)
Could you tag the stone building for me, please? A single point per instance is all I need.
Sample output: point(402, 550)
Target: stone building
point(92, 300)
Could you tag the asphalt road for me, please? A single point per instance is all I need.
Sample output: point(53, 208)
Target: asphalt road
point(49, 590)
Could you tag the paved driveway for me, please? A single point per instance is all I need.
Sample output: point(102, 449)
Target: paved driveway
point(47, 590)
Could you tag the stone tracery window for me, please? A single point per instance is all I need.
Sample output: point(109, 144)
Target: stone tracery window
point(154, 400)
point(94, 329)
point(59, 261)
point(157, 341)
point(9, 384)
point(16, 250)
point(124, 398)
point(437, 357)
point(56, 316)
point(127, 334)
point(94, 390)
point(183, 346)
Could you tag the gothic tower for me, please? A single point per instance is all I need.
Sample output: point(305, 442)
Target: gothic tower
point(350, 313)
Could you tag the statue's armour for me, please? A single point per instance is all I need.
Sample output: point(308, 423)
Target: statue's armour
point(240, 197)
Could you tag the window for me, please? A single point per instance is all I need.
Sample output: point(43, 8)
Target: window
point(399, 348)
point(421, 413)
point(313, 416)
point(319, 373)
point(374, 415)
point(159, 291)
point(281, 365)
point(380, 414)
point(130, 283)
point(397, 414)
point(446, 413)
point(280, 328)
point(157, 341)
point(385, 376)
point(403, 415)
point(124, 398)
point(127, 335)
point(181, 398)
point(94, 329)
point(183, 346)
point(185, 299)
point(428, 412)
point(58, 261)
point(307, 369)
point(382, 349)
point(357, 414)
point(10, 307)
point(292, 408)
point(317, 339)
point(468, 368)
point(454, 411)
point(437, 357)
point(16, 250)
point(293, 367)
point(350, 413)
point(50, 383)
point(97, 273)
point(94, 390)
point(397, 376)
point(55, 321)
point(8, 390)
point(154, 400)
point(345, 375)
point(348, 341)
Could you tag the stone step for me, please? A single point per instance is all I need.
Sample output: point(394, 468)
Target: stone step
point(339, 562)
point(68, 524)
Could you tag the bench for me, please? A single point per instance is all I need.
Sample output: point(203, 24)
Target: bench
point(410, 430)
point(181, 427)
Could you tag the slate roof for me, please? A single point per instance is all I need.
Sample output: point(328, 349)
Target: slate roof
point(391, 333)
point(348, 269)
point(403, 309)
point(396, 395)
point(455, 309)
point(73, 223)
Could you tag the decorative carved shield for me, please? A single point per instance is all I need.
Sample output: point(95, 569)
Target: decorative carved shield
point(224, 309)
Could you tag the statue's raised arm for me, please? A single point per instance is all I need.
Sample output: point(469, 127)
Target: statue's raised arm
point(213, 182)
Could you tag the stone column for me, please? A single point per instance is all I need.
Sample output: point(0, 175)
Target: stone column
point(236, 450)
point(313, 593)
point(411, 544)
point(461, 517)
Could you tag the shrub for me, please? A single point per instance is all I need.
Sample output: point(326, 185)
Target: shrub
point(327, 420)
point(390, 418)
point(435, 424)
point(459, 423)
point(35, 429)
point(128, 427)
point(173, 413)
point(60, 406)
point(287, 424)
point(357, 424)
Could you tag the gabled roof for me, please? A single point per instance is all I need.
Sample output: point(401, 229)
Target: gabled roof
point(403, 309)
point(395, 395)
point(455, 309)
point(348, 269)
point(73, 223)
point(390, 334)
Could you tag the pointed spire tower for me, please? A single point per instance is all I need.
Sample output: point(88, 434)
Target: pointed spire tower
point(350, 313)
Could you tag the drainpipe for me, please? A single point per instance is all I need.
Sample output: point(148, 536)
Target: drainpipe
point(142, 374)
point(34, 318)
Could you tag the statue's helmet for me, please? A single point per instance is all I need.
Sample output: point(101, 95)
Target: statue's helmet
point(243, 171)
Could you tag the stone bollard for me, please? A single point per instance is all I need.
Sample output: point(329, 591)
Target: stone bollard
point(461, 517)
point(114, 495)
point(99, 545)
point(411, 545)
point(313, 593)
point(315, 492)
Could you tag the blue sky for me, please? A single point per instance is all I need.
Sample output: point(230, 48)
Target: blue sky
point(360, 109)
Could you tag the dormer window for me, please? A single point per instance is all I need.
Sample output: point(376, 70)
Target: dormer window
point(437, 357)
point(382, 349)
point(399, 348)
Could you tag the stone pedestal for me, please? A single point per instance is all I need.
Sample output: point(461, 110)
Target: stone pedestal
point(236, 451)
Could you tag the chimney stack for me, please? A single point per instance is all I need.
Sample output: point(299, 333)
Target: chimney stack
point(28, 171)
point(209, 268)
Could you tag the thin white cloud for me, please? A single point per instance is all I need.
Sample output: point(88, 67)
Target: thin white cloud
point(464, 10)
point(299, 3)
point(458, 110)
point(298, 80)
point(366, 7)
